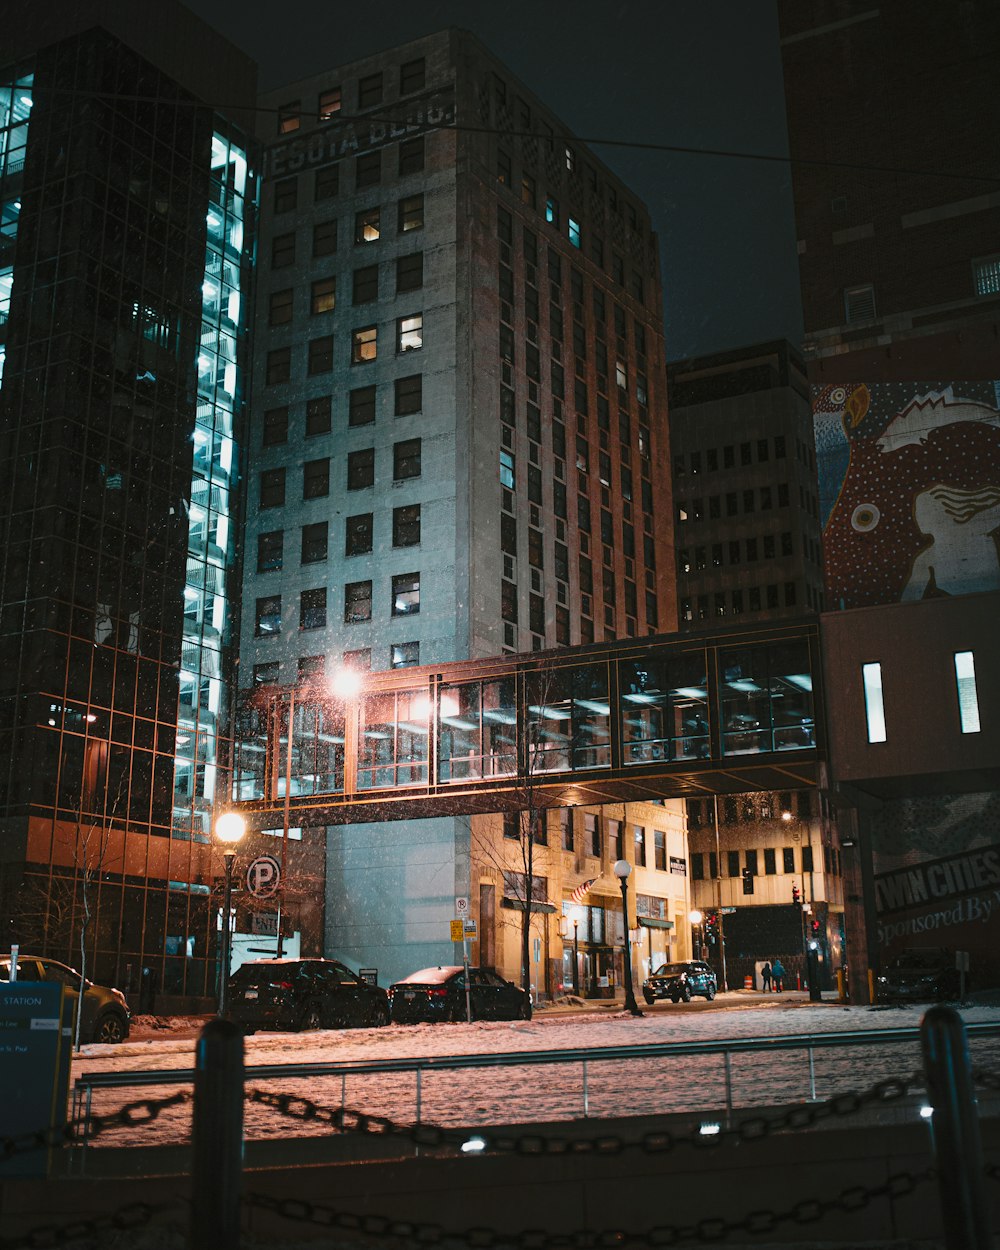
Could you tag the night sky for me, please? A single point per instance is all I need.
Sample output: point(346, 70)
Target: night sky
point(652, 71)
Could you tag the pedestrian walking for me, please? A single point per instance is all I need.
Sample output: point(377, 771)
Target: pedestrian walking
point(765, 978)
point(778, 975)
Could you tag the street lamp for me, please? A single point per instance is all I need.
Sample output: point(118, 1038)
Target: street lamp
point(622, 870)
point(695, 917)
point(229, 829)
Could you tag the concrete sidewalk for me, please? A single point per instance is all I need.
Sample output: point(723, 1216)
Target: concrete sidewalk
point(571, 1005)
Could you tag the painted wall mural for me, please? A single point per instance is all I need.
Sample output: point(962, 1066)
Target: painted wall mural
point(909, 482)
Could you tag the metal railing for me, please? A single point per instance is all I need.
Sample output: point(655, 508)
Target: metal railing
point(88, 1082)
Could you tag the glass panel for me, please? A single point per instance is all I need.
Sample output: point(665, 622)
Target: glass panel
point(392, 743)
point(664, 708)
point(791, 696)
point(478, 734)
point(766, 699)
point(968, 699)
point(318, 749)
point(568, 719)
point(871, 675)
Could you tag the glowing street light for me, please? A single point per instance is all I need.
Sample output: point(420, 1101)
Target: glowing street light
point(229, 831)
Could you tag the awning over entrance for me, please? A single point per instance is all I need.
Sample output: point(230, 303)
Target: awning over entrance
point(517, 904)
point(649, 922)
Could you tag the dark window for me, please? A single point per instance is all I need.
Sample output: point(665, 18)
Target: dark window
point(324, 296)
point(315, 479)
point(266, 674)
point(361, 469)
point(411, 213)
point(365, 287)
point(275, 427)
point(359, 534)
point(318, 415)
point(357, 602)
point(312, 667)
point(406, 594)
point(409, 272)
point(788, 858)
point(327, 184)
point(411, 156)
point(314, 542)
point(282, 250)
point(370, 90)
point(361, 406)
point(566, 827)
point(366, 226)
point(406, 525)
point(286, 195)
point(272, 488)
point(639, 839)
point(404, 654)
point(770, 868)
point(807, 859)
point(733, 863)
point(406, 459)
point(280, 307)
point(412, 76)
point(368, 169)
point(268, 616)
point(312, 609)
point(320, 355)
point(325, 238)
point(270, 550)
point(697, 866)
point(660, 850)
point(409, 394)
point(279, 365)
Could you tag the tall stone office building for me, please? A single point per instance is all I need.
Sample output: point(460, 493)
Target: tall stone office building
point(459, 440)
point(128, 206)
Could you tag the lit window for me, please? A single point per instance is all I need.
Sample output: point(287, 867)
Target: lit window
point(405, 654)
point(574, 231)
point(552, 210)
point(268, 616)
point(621, 374)
point(289, 118)
point(507, 469)
point(366, 226)
point(570, 159)
point(410, 333)
point(968, 698)
point(986, 275)
point(874, 707)
point(329, 103)
point(364, 344)
point(324, 296)
point(411, 213)
point(406, 594)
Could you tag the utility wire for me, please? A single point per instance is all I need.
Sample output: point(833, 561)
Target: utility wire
point(600, 141)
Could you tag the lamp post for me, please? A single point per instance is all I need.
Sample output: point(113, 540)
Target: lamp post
point(695, 917)
point(622, 870)
point(229, 830)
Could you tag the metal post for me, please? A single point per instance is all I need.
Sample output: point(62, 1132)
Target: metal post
point(586, 1092)
point(812, 1074)
point(226, 958)
point(217, 1138)
point(718, 881)
point(631, 1005)
point(576, 957)
point(955, 1137)
point(728, 1060)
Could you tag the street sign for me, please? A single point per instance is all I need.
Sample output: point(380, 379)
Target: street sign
point(35, 1048)
point(470, 928)
point(728, 911)
point(263, 876)
point(457, 932)
point(461, 906)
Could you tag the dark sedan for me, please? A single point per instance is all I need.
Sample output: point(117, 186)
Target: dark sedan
point(439, 994)
point(680, 982)
point(921, 974)
point(303, 994)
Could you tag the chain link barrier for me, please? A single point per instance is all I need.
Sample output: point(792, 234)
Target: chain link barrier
point(754, 1128)
point(132, 1215)
point(709, 1230)
point(84, 1128)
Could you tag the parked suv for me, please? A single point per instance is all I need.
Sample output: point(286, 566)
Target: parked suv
point(680, 982)
point(105, 1012)
point(303, 994)
point(921, 973)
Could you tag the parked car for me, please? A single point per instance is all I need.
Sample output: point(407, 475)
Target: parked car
point(921, 973)
point(105, 1012)
point(303, 994)
point(680, 982)
point(439, 994)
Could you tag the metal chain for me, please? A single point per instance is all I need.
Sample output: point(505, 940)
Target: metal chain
point(350, 1120)
point(710, 1229)
point(133, 1115)
point(133, 1215)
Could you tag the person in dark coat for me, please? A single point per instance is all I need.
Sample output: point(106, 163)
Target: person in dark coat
point(765, 978)
point(778, 975)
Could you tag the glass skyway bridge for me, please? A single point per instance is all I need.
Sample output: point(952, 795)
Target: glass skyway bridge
point(667, 717)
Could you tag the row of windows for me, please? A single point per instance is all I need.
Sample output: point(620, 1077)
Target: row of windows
point(361, 410)
point(370, 225)
point(735, 602)
point(357, 605)
point(743, 808)
point(313, 667)
point(370, 170)
point(406, 464)
point(709, 461)
point(761, 498)
point(409, 337)
point(752, 863)
point(409, 276)
point(767, 548)
point(358, 538)
point(592, 836)
point(966, 691)
point(368, 91)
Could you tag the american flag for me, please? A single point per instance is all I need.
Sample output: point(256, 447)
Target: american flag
point(578, 894)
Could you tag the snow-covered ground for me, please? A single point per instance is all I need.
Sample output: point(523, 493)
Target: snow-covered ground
point(504, 1095)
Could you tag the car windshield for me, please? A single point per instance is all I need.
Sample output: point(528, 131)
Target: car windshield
point(671, 970)
point(430, 976)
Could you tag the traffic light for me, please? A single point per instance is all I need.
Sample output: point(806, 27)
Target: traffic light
point(747, 881)
point(815, 926)
point(796, 896)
